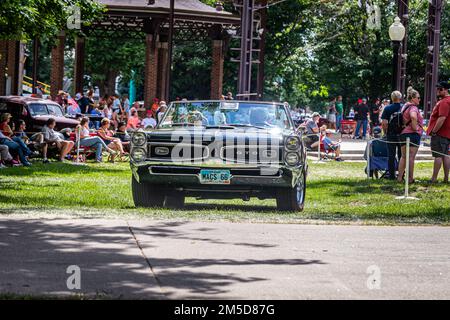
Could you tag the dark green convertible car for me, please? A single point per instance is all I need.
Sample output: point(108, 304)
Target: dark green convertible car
point(220, 150)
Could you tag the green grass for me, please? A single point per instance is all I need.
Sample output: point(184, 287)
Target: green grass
point(336, 192)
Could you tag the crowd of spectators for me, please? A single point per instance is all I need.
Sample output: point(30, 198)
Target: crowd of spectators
point(105, 126)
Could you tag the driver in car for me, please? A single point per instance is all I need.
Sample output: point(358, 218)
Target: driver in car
point(259, 117)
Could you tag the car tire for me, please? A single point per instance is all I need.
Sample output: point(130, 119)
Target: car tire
point(292, 199)
point(146, 195)
point(174, 200)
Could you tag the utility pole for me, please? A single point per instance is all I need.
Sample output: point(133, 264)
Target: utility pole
point(170, 49)
point(433, 49)
point(403, 50)
point(247, 35)
point(262, 50)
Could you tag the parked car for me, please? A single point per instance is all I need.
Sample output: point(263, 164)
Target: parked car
point(35, 112)
point(220, 149)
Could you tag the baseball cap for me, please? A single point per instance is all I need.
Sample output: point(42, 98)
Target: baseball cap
point(443, 84)
point(315, 114)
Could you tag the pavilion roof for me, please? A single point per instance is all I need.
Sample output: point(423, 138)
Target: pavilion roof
point(194, 9)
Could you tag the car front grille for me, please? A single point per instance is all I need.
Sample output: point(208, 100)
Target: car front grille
point(251, 154)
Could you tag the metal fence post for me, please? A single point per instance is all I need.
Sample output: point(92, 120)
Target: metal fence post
point(407, 169)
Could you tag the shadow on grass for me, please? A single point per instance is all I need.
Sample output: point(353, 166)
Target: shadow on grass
point(57, 168)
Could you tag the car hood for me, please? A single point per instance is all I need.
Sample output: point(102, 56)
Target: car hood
point(64, 120)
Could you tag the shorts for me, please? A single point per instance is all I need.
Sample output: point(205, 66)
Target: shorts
point(332, 118)
point(414, 138)
point(333, 147)
point(310, 140)
point(439, 144)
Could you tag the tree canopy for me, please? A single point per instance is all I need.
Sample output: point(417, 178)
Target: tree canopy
point(25, 19)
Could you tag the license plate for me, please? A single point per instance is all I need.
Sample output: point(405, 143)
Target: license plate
point(215, 176)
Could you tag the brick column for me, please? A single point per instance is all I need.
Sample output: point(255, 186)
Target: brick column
point(57, 67)
point(217, 69)
point(163, 61)
point(151, 69)
point(79, 64)
point(3, 65)
point(13, 65)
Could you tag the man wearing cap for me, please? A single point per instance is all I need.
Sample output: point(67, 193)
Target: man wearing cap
point(394, 146)
point(439, 130)
point(312, 130)
point(329, 144)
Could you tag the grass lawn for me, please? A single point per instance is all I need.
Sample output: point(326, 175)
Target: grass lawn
point(336, 192)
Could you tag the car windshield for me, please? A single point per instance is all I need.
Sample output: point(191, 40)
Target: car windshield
point(42, 109)
point(226, 114)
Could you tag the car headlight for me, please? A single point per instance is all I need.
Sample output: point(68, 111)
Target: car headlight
point(292, 158)
point(292, 143)
point(138, 154)
point(139, 139)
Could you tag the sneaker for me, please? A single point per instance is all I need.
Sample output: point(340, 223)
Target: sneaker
point(13, 163)
point(339, 159)
point(2, 166)
point(45, 161)
point(27, 164)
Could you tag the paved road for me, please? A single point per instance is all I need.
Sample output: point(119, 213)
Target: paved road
point(168, 260)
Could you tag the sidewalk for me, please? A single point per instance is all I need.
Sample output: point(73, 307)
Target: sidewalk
point(190, 260)
point(353, 150)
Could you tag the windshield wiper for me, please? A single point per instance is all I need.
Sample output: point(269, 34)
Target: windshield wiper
point(220, 127)
point(249, 126)
point(187, 124)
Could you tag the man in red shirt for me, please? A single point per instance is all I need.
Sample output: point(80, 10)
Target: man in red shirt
point(439, 130)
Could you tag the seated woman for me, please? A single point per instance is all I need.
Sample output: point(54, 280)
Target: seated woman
point(108, 137)
point(14, 147)
point(8, 132)
point(134, 122)
point(82, 132)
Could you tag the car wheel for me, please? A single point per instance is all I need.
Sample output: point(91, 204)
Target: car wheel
point(146, 195)
point(174, 200)
point(292, 199)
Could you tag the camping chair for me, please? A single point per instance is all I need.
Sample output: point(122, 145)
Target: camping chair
point(378, 159)
point(80, 153)
point(327, 152)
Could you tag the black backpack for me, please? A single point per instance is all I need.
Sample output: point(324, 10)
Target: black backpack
point(395, 124)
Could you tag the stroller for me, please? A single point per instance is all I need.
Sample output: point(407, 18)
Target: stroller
point(377, 151)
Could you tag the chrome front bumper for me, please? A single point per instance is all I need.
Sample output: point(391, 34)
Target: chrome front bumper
point(187, 175)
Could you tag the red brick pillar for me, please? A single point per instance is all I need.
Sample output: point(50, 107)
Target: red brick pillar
point(13, 65)
point(163, 61)
point(57, 67)
point(217, 69)
point(79, 64)
point(3, 65)
point(151, 69)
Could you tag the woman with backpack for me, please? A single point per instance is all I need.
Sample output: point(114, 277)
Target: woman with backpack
point(412, 129)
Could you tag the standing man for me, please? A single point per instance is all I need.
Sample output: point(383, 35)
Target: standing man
point(339, 112)
point(361, 117)
point(332, 113)
point(392, 137)
point(374, 114)
point(439, 130)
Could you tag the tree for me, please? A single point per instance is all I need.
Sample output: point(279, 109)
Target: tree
point(25, 19)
